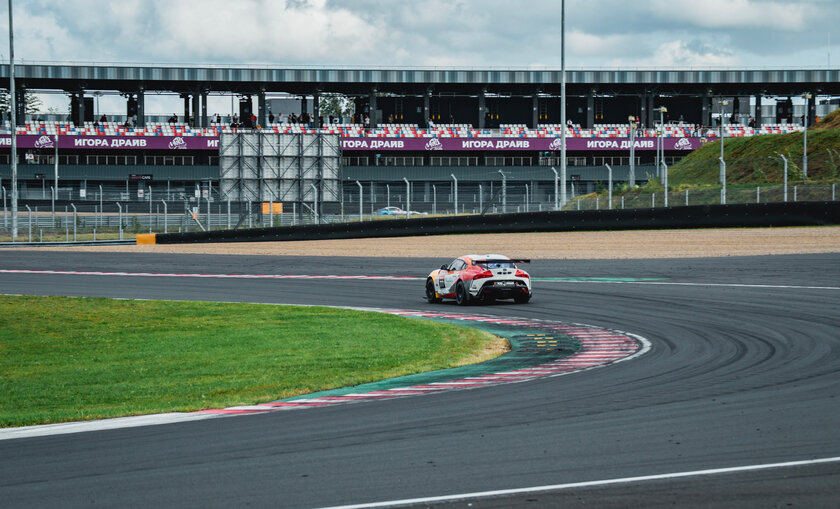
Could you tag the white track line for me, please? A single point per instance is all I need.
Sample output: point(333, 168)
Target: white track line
point(588, 484)
point(671, 283)
point(383, 278)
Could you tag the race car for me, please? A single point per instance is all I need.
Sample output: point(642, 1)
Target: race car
point(482, 278)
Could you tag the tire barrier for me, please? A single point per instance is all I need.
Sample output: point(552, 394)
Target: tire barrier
point(697, 216)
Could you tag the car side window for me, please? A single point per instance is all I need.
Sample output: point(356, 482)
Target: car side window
point(459, 265)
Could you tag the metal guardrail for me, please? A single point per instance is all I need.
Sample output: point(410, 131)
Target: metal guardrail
point(77, 243)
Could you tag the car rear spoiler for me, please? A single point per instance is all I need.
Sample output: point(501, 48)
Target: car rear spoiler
point(517, 260)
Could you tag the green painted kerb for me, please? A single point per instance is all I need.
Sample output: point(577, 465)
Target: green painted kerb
point(530, 346)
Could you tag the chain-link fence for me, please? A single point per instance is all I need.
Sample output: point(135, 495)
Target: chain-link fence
point(104, 214)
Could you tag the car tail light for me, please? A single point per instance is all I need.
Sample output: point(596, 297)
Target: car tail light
point(483, 275)
point(522, 273)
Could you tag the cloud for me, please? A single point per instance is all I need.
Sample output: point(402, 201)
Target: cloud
point(463, 33)
point(691, 54)
point(735, 14)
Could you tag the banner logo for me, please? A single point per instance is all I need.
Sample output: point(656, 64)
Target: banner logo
point(45, 142)
point(177, 143)
point(434, 144)
point(682, 144)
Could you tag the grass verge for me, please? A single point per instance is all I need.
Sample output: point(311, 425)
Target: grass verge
point(67, 359)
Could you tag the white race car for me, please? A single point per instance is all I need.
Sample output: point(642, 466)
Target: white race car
point(483, 278)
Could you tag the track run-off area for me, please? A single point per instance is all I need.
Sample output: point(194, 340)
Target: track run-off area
point(730, 400)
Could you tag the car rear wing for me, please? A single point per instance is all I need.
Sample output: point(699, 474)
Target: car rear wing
point(512, 260)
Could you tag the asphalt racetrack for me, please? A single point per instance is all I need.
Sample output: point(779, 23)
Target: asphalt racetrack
point(744, 371)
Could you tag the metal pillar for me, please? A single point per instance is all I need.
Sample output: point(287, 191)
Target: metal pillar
point(196, 108)
point(590, 109)
point(262, 115)
point(535, 113)
point(186, 98)
point(316, 109)
point(141, 108)
point(482, 109)
point(20, 105)
point(757, 117)
point(203, 122)
point(372, 103)
point(427, 112)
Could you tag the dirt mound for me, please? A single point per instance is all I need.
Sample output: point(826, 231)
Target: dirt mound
point(830, 121)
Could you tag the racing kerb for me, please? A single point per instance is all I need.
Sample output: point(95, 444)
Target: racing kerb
point(539, 348)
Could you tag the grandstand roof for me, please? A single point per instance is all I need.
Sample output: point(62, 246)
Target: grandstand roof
point(251, 80)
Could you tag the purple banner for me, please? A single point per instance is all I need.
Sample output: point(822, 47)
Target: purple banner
point(533, 144)
point(31, 141)
point(34, 141)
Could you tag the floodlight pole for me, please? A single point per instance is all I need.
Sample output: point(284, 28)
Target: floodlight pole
point(407, 199)
point(56, 167)
point(504, 192)
point(562, 101)
point(661, 158)
point(556, 177)
point(13, 120)
point(722, 163)
point(75, 215)
point(361, 196)
point(785, 176)
point(807, 98)
point(455, 191)
point(632, 182)
point(120, 220)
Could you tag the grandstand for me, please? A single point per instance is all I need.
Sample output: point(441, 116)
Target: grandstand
point(466, 124)
point(679, 130)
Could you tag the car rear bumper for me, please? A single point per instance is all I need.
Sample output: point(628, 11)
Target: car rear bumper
point(500, 290)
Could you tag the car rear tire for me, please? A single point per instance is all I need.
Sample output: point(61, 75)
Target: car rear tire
point(522, 299)
point(461, 295)
point(431, 295)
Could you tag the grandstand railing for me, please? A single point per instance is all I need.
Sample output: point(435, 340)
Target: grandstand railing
point(673, 130)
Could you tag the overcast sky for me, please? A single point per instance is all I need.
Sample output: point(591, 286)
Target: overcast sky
point(454, 33)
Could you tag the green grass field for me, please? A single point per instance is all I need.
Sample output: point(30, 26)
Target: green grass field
point(67, 359)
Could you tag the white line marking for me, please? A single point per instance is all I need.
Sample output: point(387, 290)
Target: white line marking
point(382, 278)
point(671, 283)
point(97, 425)
point(208, 276)
point(588, 484)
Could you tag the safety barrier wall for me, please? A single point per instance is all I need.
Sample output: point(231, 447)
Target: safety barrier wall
point(701, 216)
